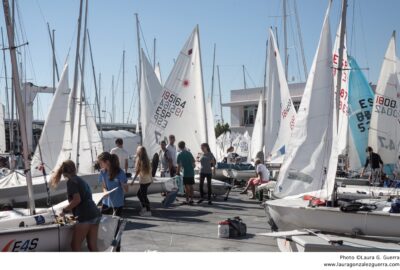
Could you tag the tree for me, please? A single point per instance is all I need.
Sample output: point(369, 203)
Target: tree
point(221, 129)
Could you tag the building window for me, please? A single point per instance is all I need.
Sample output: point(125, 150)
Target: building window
point(249, 115)
point(296, 106)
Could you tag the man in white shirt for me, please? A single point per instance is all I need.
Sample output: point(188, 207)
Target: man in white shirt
point(262, 177)
point(172, 153)
point(121, 153)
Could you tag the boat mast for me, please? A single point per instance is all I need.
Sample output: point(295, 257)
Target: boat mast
point(285, 38)
point(10, 129)
point(76, 71)
point(212, 77)
point(220, 96)
point(154, 53)
point(123, 86)
point(81, 98)
point(303, 57)
point(53, 47)
point(341, 51)
point(20, 105)
point(96, 89)
point(264, 92)
point(140, 74)
point(244, 77)
point(112, 100)
point(202, 85)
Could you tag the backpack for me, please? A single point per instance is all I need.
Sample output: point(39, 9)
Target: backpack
point(236, 227)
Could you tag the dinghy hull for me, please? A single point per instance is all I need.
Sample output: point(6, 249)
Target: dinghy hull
point(293, 214)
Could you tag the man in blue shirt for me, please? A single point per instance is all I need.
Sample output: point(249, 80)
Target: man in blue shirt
point(186, 163)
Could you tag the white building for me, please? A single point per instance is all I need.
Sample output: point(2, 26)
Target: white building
point(244, 102)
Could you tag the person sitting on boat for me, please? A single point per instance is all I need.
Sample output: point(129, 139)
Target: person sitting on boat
point(143, 171)
point(262, 177)
point(82, 206)
point(231, 156)
point(376, 164)
point(207, 167)
point(186, 163)
point(111, 177)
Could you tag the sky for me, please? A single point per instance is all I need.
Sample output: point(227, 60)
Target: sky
point(239, 28)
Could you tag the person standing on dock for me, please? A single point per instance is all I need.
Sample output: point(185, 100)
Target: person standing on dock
point(121, 153)
point(376, 163)
point(165, 160)
point(143, 171)
point(207, 167)
point(81, 205)
point(111, 177)
point(172, 152)
point(262, 177)
point(186, 163)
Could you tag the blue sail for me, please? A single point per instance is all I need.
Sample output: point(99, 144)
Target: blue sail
point(360, 101)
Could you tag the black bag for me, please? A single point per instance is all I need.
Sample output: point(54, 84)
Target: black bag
point(236, 227)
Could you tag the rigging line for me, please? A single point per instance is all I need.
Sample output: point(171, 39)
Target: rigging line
point(295, 49)
point(350, 49)
point(363, 38)
point(248, 74)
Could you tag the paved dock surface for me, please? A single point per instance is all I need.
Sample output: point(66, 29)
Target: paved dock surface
point(194, 228)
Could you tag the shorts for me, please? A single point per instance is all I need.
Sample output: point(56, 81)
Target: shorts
point(188, 180)
point(256, 181)
point(93, 221)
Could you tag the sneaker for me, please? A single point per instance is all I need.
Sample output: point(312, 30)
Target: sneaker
point(210, 203)
point(146, 214)
point(200, 201)
point(142, 211)
point(191, 202)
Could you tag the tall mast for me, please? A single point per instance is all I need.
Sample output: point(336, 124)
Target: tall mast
point(10, 129)
point(244, 77)
point(285, 38)
point(53, 46)
point(202, 85)
point(112, 100)
point(20, 105)
point(140, 74)
point(212, 77)
point(303, 57)
point(81, 98)
point(76, 71)
point(264, 92)
point(123, 86)
point(96, 89)
point(341, 51)
point(220, 95)
point(154, 52)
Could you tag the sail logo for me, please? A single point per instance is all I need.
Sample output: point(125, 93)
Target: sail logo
point(23, 245)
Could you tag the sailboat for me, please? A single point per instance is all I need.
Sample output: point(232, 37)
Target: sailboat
point(384, 130)
point(316, 175)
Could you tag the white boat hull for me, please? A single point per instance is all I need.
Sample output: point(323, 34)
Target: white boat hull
point(159, 185)
point(218, 188)
point(54, 237)
point(294, 214)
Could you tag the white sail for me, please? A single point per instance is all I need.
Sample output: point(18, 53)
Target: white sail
point(306, 169)
point(181, 108)
point(157, 71)
point(212, 141)
point(384, 130)
point(241, 143)
point(150, 95)
point(280, 112)
point(2, 130)
point(96, 143)
point(343, 104)
point(257, 143)
point(223, 142)
point(50, 141)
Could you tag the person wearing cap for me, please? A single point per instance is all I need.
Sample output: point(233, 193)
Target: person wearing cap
point(262, 177)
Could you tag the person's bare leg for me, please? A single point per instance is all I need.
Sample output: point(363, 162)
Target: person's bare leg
point(92, 238)
point(246, 187)
point(191, 192)
point(79, 234)
point(253, 190)
point(187, 191)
